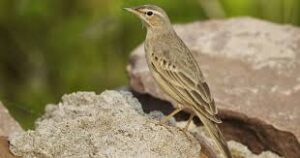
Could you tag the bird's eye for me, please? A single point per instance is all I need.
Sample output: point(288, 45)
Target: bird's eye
point(149, 13)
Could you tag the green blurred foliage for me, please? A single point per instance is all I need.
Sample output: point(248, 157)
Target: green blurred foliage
point(52, 47)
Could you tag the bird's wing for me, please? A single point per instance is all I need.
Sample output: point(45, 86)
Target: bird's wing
point(192, 89)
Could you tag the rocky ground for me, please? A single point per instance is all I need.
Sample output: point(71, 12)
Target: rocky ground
point(112, 125)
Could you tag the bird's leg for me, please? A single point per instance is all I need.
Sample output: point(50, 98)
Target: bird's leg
point(189, 122)
point(167, 118)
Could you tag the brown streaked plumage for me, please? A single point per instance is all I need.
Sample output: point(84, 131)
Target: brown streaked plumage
point(177, 73)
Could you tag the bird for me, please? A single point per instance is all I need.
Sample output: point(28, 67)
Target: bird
point(177, 73)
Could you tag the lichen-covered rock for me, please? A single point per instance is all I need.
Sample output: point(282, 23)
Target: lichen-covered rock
point(253, 69)
point(8, 124)
point(110, 125)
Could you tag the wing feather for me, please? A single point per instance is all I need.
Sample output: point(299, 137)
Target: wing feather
point(190, 90)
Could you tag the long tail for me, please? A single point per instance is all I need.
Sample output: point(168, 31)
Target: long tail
point(216, 134)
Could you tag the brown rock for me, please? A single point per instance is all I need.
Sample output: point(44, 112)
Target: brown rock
point(4, 150)
point(8, 125)
point(253, 69)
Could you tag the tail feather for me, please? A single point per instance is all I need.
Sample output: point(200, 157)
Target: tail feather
point(216, 134)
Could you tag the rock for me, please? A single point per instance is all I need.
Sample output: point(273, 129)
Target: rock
point(253, 70)
point(8, 124)
point(4, 150)
point(111, 125)
point(240, 151)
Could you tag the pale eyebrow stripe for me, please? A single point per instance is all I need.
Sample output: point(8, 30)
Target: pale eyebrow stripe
point(158, 13)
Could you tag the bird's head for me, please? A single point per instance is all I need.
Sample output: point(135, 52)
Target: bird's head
point(152, 16)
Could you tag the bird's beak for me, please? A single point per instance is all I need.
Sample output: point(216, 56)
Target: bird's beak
point(132, 10)
point(138, 13)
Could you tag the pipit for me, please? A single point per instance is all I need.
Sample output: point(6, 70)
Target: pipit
point(176, 71)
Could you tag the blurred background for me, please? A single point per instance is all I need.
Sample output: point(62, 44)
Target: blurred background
point(52, 47)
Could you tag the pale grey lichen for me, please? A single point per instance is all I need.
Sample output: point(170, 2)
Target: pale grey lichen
point(110, 125)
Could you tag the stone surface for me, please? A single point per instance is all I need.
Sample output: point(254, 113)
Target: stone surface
point(253, 69)
point(8, 125)
point(4, 150)
point(113, 125)
point(238, 150)
point(110, 125)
